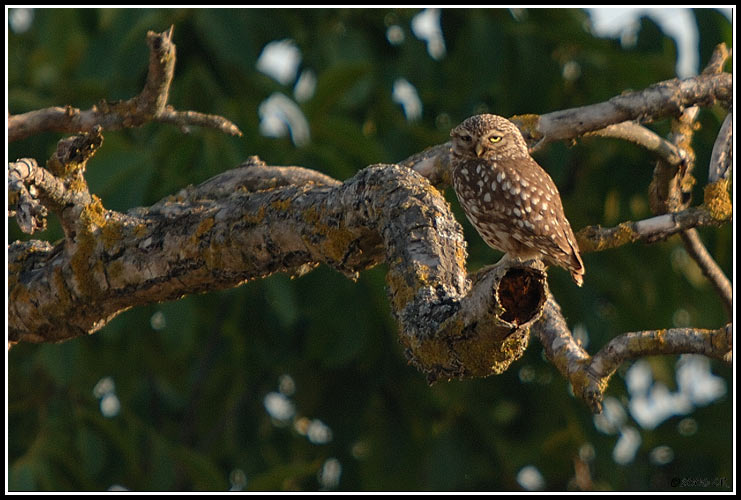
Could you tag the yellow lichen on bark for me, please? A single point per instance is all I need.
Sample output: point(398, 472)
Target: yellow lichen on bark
point(282, 205)
point(401, 292)
point(528, 125)
point(91, 221)
point(492, 352)
point(111, 234)
point(591, 239)
point(718, 201)
point(204, 227)
point(337, 240)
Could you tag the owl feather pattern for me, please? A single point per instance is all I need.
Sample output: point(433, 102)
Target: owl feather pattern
point(510, 200)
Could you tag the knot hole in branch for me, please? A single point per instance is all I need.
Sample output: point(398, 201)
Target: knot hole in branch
point(521, 294)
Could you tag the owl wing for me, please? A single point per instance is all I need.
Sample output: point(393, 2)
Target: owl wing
point(526, 194)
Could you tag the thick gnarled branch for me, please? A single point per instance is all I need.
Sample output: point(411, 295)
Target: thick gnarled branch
point(451, 326)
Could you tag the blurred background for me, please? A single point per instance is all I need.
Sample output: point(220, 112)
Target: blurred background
point(301, 384)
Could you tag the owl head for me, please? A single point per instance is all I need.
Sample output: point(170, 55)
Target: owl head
point(488, 136)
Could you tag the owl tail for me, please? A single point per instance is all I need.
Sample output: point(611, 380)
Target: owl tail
point(576, 268)
point(578, 277)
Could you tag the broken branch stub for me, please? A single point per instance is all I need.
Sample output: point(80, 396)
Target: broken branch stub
point(488, 329)
point(452, 325)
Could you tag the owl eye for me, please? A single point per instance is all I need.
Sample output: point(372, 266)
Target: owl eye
point(495, 138)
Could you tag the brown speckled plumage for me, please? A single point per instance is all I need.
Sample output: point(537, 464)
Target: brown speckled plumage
point(510, 200)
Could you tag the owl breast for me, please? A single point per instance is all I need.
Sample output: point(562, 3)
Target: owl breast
point(492, 199)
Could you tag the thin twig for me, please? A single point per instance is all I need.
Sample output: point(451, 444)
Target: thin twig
point(721, 158)
point(709, 267)
point(186, 119)
point(648, 139)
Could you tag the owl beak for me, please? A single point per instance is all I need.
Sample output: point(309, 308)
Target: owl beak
point(479, 149)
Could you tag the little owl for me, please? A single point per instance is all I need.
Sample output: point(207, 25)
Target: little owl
point(510, 200)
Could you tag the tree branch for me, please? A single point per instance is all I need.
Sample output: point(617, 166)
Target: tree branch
point(710, 269)
point(149, 105)
point(671, 186)
point(716, 344)
point(663, 99)
point(667, 98)
point(721, 159)
point(451, 326)
point(589, 376)
point(648, 139)
point(597, 239)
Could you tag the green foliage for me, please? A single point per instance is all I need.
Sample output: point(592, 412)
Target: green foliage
point(191, 376)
